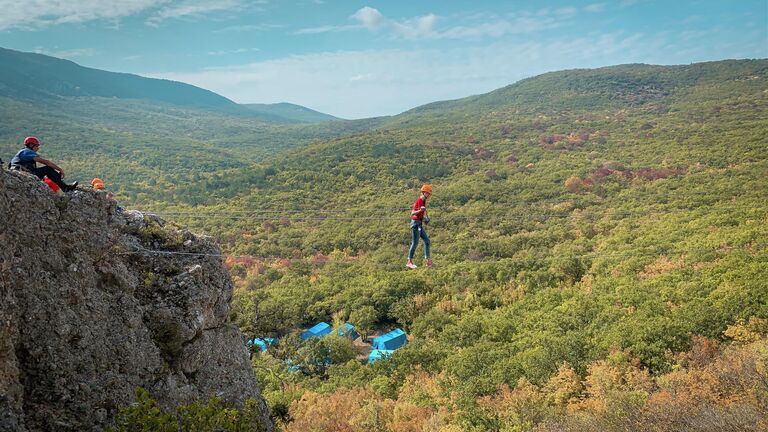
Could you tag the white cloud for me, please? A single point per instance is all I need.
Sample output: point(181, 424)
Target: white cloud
point(372, 20)
point(361, 77)
point(502, 27)
point(495, 26)
point(417, 28)
point(75, 53)
point(324, 29)
point(248, 28)
point(692, 19)
point(33, 14)
point(566, 11)
point(493, 29)
point(390, 81)
point(426, 27)
point(232, 51)
point(67, 53)
point(369, 17)
point(192, 9)
point(596, 7)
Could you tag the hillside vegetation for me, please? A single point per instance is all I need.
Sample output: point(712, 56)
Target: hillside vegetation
point(290, 113)
point(145, 151)
point(599, 239)
point(605, 238)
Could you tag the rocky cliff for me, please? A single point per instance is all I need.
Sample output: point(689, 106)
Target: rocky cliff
point(92, 308)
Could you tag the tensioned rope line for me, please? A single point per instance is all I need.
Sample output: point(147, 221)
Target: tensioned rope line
point(144, 251)
point(321, 216)
point(378, 211)
point(658, 251)
point(546, 201)
point(530, 208)
point(537, 203)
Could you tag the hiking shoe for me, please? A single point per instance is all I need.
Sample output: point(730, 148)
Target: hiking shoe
point(410, 265)
point(429, 262)
point(70, 187)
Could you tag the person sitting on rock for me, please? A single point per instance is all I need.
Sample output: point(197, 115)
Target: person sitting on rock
point(28, 158)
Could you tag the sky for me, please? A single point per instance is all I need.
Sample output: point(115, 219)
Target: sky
point(358, 59)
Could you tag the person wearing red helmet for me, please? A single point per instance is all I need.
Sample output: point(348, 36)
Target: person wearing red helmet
point(28, 158)
point(418, 219)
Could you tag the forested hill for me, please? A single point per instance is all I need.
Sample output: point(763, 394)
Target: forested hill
point(30, 76)
point(619, 86)
point(599, 239)
point(533, 117)
point(290, 113)
point(142, 135)
point(41, 78)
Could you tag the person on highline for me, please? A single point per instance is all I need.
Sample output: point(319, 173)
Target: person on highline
point(418, 220)
point(28, 158)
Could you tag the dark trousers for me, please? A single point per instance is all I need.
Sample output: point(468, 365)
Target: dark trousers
point(46, 171)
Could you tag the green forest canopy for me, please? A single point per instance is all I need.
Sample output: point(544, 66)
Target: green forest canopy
point(576, 214)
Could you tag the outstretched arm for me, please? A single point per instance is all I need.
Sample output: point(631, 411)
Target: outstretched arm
point(38, 159)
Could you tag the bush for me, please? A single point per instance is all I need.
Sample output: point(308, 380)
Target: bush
point(145, 416)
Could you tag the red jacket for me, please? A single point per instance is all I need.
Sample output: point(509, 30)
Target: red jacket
point(417, 205)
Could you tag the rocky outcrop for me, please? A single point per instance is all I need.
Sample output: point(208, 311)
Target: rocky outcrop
point(92, 306)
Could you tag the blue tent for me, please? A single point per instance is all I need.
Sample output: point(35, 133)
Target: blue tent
point(292, 367)
point(379, 354)
point(263, 343)
point(319, 330)
point(348, 330)
point(390, 341)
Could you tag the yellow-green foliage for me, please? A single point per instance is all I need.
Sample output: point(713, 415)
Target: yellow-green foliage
point(723, 390)
point(167, 235)
point(145, 416)
point(598, 218)
point(659, 234)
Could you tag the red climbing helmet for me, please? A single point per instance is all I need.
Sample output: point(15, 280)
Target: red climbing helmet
point(30, 140)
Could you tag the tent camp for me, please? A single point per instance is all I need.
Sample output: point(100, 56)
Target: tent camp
point(348, 330)
point(318, 330)
point(390, 341)
point(379, 354)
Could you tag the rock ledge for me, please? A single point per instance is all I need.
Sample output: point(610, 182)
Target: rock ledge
point(93, 306)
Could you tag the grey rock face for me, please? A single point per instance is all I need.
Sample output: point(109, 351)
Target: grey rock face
point(92, 308)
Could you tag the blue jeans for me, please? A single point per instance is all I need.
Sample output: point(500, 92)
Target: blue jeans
point(417, 230)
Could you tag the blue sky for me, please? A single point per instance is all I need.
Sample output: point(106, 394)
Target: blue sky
point(358, 59)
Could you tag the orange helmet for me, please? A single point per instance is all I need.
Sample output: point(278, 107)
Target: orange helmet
point(97, 183)
point(427, 188)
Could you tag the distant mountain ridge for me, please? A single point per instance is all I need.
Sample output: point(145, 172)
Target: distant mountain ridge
point(288, 112)
point(35, 77)
point(611, 86)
